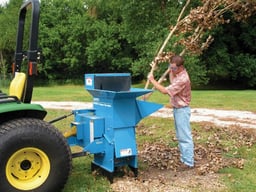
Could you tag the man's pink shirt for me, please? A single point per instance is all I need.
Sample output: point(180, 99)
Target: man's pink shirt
point(180, 90)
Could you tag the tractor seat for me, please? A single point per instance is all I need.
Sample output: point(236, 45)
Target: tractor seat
point(17, 85)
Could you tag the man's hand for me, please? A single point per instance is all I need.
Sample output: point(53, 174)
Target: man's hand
point(157, 85)
point(150, 76)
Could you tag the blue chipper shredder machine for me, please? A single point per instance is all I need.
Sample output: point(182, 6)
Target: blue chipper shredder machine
point(108, 129)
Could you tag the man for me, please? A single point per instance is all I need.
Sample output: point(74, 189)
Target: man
point(180, 95)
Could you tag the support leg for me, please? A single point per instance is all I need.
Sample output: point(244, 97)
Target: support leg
point(109, 175)
point(134, 170)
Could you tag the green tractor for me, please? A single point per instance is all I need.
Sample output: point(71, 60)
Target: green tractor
point(34, 155)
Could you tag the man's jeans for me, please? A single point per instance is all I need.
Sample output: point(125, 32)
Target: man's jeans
point(184, 135)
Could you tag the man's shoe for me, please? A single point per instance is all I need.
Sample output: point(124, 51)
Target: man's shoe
point(184, 167)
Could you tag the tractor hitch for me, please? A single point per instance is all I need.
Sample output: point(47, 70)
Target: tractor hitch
point(60, 118)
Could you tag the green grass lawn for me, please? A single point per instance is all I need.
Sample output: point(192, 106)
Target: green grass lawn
point(218, 99)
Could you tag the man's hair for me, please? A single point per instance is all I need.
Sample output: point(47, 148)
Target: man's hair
point(178, 60)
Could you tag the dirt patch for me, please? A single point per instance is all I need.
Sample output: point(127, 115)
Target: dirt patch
point(162, 174)
point(155, 180)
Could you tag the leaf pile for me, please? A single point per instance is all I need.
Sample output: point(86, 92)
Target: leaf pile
point(219, 150)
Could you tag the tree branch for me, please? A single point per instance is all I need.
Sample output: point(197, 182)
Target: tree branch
point(154, 62)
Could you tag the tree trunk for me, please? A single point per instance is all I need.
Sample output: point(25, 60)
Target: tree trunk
point(2, 66)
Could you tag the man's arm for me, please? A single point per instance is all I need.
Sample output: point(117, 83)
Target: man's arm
point(157, 85)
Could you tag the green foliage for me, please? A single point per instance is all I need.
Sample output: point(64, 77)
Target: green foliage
point(244, 69)
point(8, 20)
point(231, 57)
point(62, 38)
point(145, 26)
point(196, 71)
point(86, 36)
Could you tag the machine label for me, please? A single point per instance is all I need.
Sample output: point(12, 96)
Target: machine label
point(125, 152)
point(89, 81)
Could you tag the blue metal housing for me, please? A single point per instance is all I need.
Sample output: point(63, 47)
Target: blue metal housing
point(108, 130)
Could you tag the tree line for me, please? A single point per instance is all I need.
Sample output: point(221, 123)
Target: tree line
point(86, 36)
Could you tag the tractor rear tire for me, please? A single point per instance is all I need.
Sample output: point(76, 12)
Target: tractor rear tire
point(34, 156)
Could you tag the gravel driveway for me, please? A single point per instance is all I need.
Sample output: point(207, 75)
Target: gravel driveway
point(221, 118)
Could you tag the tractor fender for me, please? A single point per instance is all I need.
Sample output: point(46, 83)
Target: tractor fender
point(13, 110)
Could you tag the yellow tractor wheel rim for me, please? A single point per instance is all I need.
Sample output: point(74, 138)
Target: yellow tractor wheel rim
point(28, 168)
